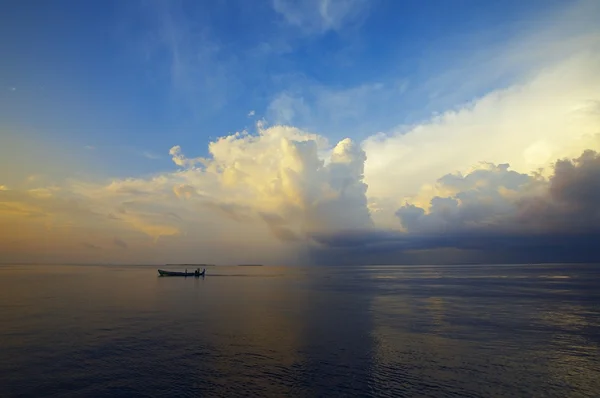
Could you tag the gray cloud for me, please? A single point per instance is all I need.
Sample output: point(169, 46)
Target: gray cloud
point(493, 215)
point(576, 184)
point(479, 199)
point(499, 199)
point(480, 247)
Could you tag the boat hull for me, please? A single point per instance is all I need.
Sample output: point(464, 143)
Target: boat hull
point(176, 273)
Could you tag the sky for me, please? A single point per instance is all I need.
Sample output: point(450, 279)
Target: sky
point(300, 132)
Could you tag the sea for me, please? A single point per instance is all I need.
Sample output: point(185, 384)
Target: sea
point(372, 331)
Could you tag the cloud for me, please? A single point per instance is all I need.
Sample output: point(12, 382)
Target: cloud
point(506, 201)
point(481, 197)
point(279, 171)
point(453, 72)
point(320, 16)
point(251, 113)
point(230, 210)
point(459, 68)
point(363, 109)
point(271, 190)
point(178, 43)
point(574, 195)
point(288, 109)
point(290, 201)
point(278, 227)
point(494, 209)
point(475, 180)
point(91, 246)
point(184, 191)
point(180, 160)
point(44, 202)
point(527, 125)
point(150, 155)
point(480, 181)
point(392, 247)
point(120, 243)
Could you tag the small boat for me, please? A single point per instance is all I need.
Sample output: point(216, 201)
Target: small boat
point(196, 273)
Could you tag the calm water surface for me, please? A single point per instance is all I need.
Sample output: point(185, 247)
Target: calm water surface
point(469, 331)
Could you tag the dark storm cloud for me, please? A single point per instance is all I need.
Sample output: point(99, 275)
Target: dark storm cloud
point(487, 246)
point(500, 200)
point(573, 200)
point(495, 215)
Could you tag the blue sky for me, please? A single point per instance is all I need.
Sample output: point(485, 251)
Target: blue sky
point(378, 130)
point(135, 78)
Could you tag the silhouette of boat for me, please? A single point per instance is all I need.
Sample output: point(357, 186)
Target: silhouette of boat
point(195, 273)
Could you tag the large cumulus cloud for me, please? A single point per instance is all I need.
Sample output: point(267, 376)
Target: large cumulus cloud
point(264, 194)
point(279, 174)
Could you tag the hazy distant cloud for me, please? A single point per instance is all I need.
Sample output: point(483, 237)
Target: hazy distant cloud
point(45, 192)
point(459, 70)
point(120, 243)
point(363, 108)
point(150, 155)
point(111, 216)
point(286, 108)
point(88, 245)
point(47, 203)
point(178, 44)
point(251, 113)
point(320, 16)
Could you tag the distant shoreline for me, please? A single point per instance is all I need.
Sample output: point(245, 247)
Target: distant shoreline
point(250, 265)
